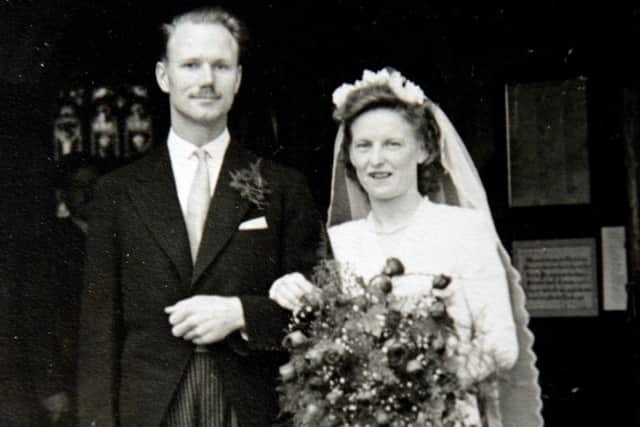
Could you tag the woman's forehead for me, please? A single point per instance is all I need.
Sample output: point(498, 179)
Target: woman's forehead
point(381, 119)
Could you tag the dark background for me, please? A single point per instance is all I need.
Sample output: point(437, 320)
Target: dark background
point(299, 53)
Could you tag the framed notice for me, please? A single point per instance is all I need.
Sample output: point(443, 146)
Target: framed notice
point(559, 276)
point(547, 143)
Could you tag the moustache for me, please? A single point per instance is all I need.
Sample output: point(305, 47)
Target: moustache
point(206, 92)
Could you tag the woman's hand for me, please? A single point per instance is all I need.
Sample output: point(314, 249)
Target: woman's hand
point(288, 290)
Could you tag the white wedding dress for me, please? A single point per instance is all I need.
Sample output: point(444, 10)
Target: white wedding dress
point(455, 236)
point(441, 239)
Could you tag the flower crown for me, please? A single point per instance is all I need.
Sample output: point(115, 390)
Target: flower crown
point(404, 89)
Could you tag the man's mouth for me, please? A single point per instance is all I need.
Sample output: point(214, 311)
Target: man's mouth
point(210, 96)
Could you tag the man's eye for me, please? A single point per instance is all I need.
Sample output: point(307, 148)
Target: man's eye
point(190, 65)
point(222, 67)
point(393, 143)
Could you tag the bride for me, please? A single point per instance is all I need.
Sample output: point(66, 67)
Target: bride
point(404, 186)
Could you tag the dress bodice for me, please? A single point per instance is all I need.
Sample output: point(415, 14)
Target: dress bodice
point(437, 239)
point(440, 239)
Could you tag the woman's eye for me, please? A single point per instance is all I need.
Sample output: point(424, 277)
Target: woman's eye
point(393, 143)
point(362, 145)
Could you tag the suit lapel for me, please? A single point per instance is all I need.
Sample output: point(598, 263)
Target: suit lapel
point(226, 210)
point(156, 199)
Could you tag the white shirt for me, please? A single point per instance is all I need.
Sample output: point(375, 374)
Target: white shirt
point(184, 163)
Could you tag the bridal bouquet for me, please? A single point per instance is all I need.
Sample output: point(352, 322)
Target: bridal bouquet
point(364, 359)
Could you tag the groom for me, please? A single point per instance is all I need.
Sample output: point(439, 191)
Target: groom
point(177, 328)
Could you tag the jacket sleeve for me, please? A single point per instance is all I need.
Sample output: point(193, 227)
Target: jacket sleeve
point(100, 320)
point(300, 233)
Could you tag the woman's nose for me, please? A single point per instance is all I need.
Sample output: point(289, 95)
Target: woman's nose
point(376, 155)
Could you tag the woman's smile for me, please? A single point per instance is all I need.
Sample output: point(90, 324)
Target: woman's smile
point(380, 175)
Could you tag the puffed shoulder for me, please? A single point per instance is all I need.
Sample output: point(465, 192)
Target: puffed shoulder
point(456, 213)
point(343, 234)
point(458, 220)
point(346, 227)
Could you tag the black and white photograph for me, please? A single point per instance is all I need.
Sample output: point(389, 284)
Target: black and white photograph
point(319, 214)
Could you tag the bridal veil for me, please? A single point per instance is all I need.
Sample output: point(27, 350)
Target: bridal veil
point(519, 393)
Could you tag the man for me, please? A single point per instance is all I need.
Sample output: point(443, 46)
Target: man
point(177, 328)
point(63, 281)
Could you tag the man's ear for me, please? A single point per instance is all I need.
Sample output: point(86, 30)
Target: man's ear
point(161, 76)
point(239, 79)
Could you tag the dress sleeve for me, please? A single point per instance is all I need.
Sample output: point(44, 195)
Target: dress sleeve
point(486, 293)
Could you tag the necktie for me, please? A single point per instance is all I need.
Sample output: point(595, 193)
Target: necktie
point(198, 203)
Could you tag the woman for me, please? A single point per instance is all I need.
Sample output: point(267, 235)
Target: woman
point(404, 186)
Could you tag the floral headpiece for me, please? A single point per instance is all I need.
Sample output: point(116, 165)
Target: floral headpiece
point(404, 89)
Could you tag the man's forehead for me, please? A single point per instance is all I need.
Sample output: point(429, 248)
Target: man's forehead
point(189, 36)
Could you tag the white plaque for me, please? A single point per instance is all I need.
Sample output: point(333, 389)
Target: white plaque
point(559, 276)
point(614, 268)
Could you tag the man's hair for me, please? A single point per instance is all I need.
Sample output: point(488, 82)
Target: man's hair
point(208, 15)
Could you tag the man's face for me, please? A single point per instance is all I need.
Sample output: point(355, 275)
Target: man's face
point(201, 73)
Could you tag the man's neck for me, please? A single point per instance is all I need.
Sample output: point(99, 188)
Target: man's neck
point(197, 133)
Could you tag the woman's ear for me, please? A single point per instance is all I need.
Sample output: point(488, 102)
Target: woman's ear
point(425, 157)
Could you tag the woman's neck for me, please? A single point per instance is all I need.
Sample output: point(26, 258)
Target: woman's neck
point(393, 214)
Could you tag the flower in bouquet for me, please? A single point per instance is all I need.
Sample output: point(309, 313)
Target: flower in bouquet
point(364, 359)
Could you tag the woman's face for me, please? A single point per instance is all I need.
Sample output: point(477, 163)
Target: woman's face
point(385, 153)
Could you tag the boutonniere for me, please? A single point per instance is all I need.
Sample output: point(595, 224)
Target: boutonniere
point(251, 185)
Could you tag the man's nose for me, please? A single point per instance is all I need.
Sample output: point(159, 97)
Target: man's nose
point(207, 75)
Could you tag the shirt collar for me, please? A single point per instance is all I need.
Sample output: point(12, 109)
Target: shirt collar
point(181, 148)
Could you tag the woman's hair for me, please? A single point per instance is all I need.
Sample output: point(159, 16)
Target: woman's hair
point(420, 117)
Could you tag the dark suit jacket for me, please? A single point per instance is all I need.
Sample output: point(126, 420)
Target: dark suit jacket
point(139, 262)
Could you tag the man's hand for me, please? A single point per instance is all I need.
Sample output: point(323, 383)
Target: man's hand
point(205, 319)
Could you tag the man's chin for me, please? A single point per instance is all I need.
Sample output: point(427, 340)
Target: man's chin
point(202, 117)
point(211, 114)
point(206, 117)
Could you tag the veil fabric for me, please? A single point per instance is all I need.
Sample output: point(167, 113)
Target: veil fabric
point(520, 404)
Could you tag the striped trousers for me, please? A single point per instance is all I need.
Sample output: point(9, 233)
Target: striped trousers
point(199, 400)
